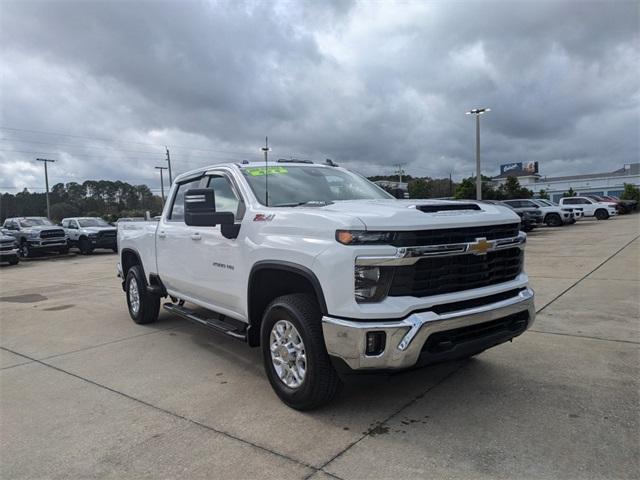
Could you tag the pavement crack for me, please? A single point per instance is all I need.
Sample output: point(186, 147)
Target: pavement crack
point(167, 412)
point(389, 417)
point(585, 336)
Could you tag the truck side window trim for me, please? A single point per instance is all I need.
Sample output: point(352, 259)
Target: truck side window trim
point(234, 188)
point(176, 193)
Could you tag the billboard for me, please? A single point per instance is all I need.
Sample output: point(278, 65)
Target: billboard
point(510, 167)
point(519, 168)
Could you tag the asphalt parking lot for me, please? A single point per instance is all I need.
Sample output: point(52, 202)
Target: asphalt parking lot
point(85, 392)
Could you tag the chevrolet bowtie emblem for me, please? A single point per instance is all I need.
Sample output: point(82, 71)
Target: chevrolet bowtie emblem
point(480, 246)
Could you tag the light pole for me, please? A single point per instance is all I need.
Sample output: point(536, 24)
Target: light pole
point(477, 112)
point(266, 151)
point(46, 181)
point(162, 182)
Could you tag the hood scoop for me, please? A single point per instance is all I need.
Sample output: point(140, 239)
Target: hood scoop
point(447, 207)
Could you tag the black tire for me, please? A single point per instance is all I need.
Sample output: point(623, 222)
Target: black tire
point(148, 305)
point(25, 250)
point(321, 382)
point(85, 246)
point(14, 261)
point(553, 220)
point(64, 250)
point(601, 214)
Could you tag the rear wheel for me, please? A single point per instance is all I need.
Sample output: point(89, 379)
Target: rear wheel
point(553, 220)
point(294, 354)
point(143, 306)
point(85, 246)
point(601, 214)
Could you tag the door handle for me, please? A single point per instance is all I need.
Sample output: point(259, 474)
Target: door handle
point(195, 236)
point(162, 235)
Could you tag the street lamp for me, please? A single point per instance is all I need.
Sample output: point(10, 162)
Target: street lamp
point(477, 112)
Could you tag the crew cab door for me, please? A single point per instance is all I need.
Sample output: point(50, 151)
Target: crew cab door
point(219, 264)
point(199, 263)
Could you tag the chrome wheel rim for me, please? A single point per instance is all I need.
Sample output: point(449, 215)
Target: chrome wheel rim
point(288, 355)
point(134, 296)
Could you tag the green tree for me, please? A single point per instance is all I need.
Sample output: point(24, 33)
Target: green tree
point(419, 188)
point(569, 193)
point(631, 192)
point(543, 194)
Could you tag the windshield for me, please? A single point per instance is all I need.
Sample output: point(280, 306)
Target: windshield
point(92, 222)
point(297, 185)
point(34, 221)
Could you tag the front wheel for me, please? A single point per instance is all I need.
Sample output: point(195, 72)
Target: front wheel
point(294, 354)
point(143, 306)
point(553, 220)
point(602, 214)
point(25, 250)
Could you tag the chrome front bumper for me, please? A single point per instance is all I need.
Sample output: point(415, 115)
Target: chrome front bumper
point(346, 339)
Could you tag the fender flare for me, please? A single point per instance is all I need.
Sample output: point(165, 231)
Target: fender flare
point(287, 267)
point(137, 255)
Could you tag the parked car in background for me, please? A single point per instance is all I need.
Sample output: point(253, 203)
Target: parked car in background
point(8, 249)
point(36, 234)
point(543, 202)
point(530, 218)
point(590, 207)
point(552, 216)
point(623, 206)
point(89, 233)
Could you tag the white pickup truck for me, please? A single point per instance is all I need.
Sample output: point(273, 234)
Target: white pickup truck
point(328, 273)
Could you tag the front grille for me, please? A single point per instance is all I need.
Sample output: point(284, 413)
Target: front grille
point(455, 235)
point(439, 275)
point(511, 325)
point(5, 246)
point(52, 233)
point(107, 234)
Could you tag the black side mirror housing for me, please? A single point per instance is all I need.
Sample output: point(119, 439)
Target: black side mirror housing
point(200, 209)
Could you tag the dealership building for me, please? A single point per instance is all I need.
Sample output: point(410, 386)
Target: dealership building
point(606, 183)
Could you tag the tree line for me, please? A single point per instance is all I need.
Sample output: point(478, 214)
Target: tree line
point(92, 198)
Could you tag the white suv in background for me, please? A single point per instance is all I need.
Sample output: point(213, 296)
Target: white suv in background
point(552, 215)
point(590, 207)
point(543, 202)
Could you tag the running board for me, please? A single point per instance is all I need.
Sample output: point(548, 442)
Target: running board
point(212, 323)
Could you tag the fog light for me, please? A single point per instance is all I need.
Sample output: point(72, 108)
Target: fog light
point(375, 343)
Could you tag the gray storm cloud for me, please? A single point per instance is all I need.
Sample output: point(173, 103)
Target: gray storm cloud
point(367, 84)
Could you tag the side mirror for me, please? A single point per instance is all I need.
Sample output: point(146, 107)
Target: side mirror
point(200, 209)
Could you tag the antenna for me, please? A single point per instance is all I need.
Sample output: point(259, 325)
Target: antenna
point(266, 150)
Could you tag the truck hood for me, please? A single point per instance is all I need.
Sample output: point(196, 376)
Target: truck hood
point(99, 229)
point(41, 228)
point(407, 214)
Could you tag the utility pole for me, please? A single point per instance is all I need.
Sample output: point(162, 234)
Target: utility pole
point(169, 163)
point(46, 181)
point(477, 112)
point(266, 150)
point(162, 182)
point(400, 172)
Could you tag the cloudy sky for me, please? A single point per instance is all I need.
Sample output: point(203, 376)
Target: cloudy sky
point(103, 86)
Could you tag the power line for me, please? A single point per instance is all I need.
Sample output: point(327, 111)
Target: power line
point(41, 132)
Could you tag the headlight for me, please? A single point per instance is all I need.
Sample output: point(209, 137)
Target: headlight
point(32, 235)
point(372, 283)
point(362, 237)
